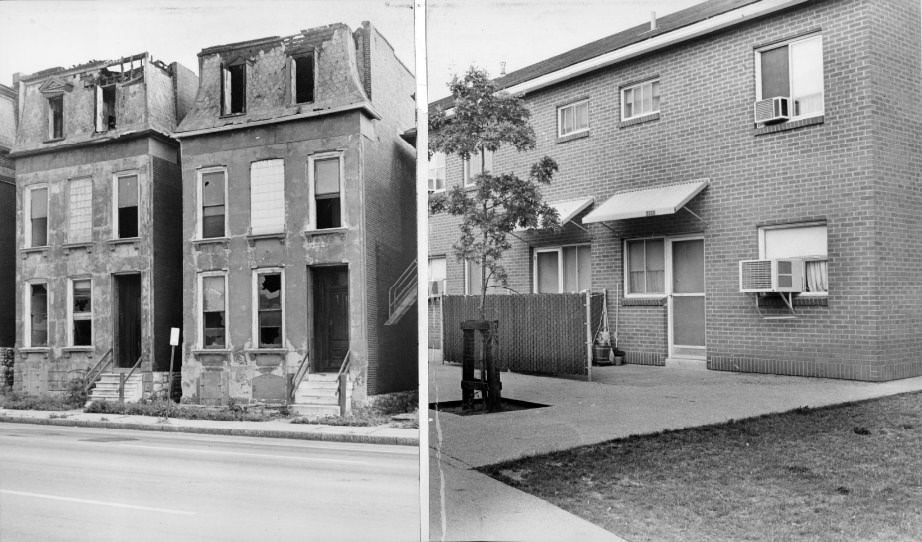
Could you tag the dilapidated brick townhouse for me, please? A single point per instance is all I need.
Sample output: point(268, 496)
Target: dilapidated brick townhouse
point(298, 221)
point(98, 247)
point(741, 177)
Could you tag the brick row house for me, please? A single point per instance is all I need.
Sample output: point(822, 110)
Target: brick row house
point(299, 217)
point(782, 131)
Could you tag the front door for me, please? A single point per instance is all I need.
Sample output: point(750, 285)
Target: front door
point(331, 317)
point(686, 298)
point(127, 320)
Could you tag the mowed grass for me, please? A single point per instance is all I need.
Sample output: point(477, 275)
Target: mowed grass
point(851, 472)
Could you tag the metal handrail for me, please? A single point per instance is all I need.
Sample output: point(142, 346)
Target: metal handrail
point(93, 374)
point(298, 376)
point(403, 286)
point(123, 378)
point(342, 378)
point(345, 365)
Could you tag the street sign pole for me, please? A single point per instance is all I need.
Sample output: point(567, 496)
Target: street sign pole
point(174, 340)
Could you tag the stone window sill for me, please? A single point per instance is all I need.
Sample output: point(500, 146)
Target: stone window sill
point(325, 231)
point(785, 126)
point(74, 246)
point(207, 351)
point(54, 140)
point(233, 115)
point(78, 350)
point(643, 301)
point(35, 350)
point(573, 137)
point(34, 250)
point(198, 243)
point(267, 351)
point(252, 238)
point(639, 120)
point(124, 241)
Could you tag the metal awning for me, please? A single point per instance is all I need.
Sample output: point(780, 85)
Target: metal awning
point(567, 210)
point(662, 200)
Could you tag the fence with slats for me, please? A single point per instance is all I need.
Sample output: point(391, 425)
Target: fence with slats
point(539, 333)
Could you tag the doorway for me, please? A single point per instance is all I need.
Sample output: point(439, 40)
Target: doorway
point(331, 317)
point(686, 298)
point(127, 320)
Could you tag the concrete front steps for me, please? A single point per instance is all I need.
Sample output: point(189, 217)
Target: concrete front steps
point(107, 388)
point(316, 396)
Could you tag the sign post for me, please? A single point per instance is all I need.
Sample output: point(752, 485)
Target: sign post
point(174, 341)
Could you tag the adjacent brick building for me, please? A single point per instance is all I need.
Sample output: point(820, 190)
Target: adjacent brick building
point(671, 181)
point(298, 217)
point(8, 117)
point(98, 221)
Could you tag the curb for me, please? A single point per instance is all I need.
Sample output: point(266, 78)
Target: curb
point(265, 433)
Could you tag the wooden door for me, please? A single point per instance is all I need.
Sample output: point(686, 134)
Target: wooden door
point(331, 317)
point(127, 320)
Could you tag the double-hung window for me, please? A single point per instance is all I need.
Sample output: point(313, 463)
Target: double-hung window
point(36, 317)
point(563, 269)
point(802, 241)
point(645, 267)
point(80, 210)
point(437, 276)
point(573, 118)
point(267, 197)
point(793, 70)
point(213, 287)
point(81, 312)
point(640, 100)
point(126, 206)
point(437, 172)
point(325, 176)
point(473, 281)
point(478, 163)
point(270, 307)
point(36, 206)
point(212, 192)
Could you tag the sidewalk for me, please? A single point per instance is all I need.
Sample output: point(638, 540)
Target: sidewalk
point(620, 402)
point(271, 429)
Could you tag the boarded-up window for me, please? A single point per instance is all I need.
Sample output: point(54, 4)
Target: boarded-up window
point(80, 211)
point(38, 315)
point(302, 68)
point(269, 313)
point(233, 82)
point(267, 197)
point(56, 117)
point(213, 204)
point(327, 193)
point(213, 308)
point(38, 217)
point(127, 215)
point(81, 312)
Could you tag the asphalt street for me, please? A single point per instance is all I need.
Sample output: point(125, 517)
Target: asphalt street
point(75, 484)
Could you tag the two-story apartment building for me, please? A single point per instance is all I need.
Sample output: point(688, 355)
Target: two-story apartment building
point(8, 117)
point(98, 185)
point(298, 218)
point(734, 130)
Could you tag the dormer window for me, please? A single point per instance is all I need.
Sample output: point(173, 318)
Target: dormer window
point(56, 117)
point(233, 89)
point(302, 78)
point(105, 108)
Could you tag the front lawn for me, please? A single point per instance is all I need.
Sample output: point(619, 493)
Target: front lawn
point(851, 472)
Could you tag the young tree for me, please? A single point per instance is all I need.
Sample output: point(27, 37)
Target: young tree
point(484, 118)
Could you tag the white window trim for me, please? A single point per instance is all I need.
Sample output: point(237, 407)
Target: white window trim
point(284, 192)
point(70, 311)
point(255, 305)
point(636, 86)
point(444, 167)
point(200, 307)
point(115, 177)
point(68, 210)
point(467, 278)
point(27, 212)
point(626, 276)
point(758, 64)
point(560, 269)
point(468, 179)
point(428, 275)
point(312, 202)
point(27, 312)
point(560, 111)
point(763, 229)
point(198, 201)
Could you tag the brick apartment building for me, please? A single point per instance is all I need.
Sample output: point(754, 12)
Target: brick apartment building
point(7, 220)
point(670, 176)
point(298, 218)
point(98, 224)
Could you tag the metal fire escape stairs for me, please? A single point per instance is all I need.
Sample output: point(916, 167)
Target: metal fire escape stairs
point(402, 295)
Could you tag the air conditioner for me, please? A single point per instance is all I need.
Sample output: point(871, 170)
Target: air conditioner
point(782, 275)
point(772, 110)
point(436, 288)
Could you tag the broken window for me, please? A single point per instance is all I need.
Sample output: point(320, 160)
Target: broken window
point(105, 108)
point(233, 91)
point(38, 217)
point(213, 204)
point(38, 315)
point(302, 76)
point(56, 117)
point(81, 313)
point(127, 211)
point(327, 193)
point(269, 314)
point(213, 308)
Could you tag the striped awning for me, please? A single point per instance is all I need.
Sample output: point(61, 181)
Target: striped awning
point(567, 210)
point(661, 200)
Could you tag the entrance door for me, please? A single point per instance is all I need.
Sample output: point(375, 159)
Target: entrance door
point(331, 317)
point(686, 298)
point(127, 320)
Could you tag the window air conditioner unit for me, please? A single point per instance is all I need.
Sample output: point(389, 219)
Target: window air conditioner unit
point(436, 288)
point(773, 110)
point(783, 275)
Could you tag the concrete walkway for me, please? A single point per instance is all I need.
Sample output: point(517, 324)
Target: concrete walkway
point(620, 402)
point(271, 429)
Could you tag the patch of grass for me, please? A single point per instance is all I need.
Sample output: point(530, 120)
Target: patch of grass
point(24, 401)
point(851, 472)
point(379, 413)
point(169, 409)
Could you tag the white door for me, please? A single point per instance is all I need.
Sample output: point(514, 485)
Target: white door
point(685, 289)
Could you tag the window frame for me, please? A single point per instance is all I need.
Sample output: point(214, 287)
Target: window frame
point(443, 280)
point(281, 228)
point(293, 74)
point(466, 164)
point(72, 316)
point(199, 207)
point(794, 226)
point(561, 279)
point(27, 212)
point(787, 43)
point(116, 230)
point(49, 113)
point(430, 168)
point(256, 342)
point(311, 189)
point(103, 127)
point(572, 105)
point(70, 210)
point(225, 68)
point(27, 314)
point(640, 85)
point(626, 268)
point(200, 309)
